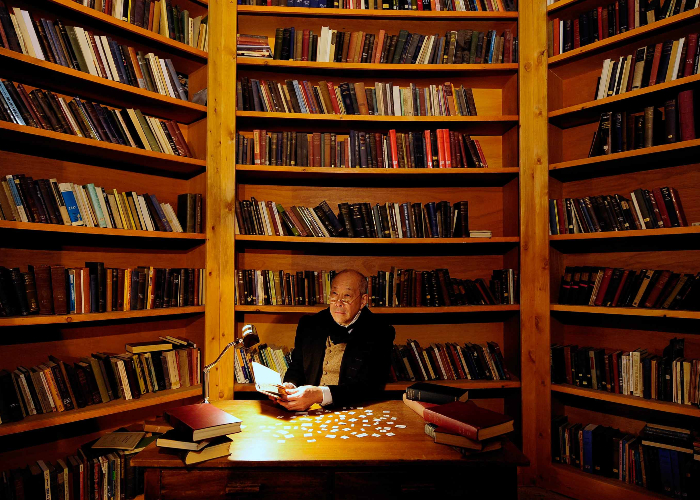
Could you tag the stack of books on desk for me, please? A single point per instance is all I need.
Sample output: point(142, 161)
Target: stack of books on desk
point(200, 432)
point(453, 420)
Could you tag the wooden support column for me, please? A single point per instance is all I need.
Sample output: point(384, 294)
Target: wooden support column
point(534, 236)
point(220, 213)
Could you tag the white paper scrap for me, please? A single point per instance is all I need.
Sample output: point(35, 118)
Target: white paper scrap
point(308, 434)
point(401, 426)
point(330, 436)
point(310, 440)
point(344, 437)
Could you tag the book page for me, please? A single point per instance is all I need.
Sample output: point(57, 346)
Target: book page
point(267, 381)
point(119, 440)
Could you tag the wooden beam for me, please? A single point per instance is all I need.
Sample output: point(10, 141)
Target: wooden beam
point(534, 238)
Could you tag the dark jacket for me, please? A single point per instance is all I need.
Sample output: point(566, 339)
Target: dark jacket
point(366, 362)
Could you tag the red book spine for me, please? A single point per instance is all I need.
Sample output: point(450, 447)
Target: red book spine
point(678, 206)
point(656, 291)
point(606, 25)
point(562, 223)
point(305, 46)
point(630, 14)
point(334, 99)
point(690, 57)
point(654, 64)
point(449, 424)
point(617, 28)
point(656, 192)
point(557, 48)
point(686, 115)
point(394, 149)
point(448, 151)
point(428, 150)
point(577, 34)
point(625, 274)
point(616, 367)
point(603, 286)
point(600, 23)
point(482, 156)
point(441, 147)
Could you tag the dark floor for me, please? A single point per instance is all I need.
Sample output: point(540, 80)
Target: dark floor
point(532, 493)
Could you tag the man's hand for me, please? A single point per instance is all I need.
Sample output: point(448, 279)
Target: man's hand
point(302, 398)
point(287, 386)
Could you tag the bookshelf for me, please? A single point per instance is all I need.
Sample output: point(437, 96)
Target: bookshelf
point(492, 193)
point(573, 116)
point(29, 340)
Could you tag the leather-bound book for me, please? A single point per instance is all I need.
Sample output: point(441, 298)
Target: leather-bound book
point(59, 289)
point(467, 419)
point(42, 278)
point(686, 115)
point(670, 119)
point(18, 288)
point(30, 289)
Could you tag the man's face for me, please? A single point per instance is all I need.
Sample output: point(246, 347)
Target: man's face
point(346, 300)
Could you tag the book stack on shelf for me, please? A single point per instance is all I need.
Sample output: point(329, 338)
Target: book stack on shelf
point(269, 355)
point(103, 173)
point(623, 281)
point(420, 5)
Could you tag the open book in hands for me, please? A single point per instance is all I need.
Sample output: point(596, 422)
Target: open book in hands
point(268, 382)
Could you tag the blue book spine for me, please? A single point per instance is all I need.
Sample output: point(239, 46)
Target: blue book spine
point(675, 473)
point(71, 293)
point(292, 33)
point(256, 95)
point(588, 450)
point(311, 3)
point(290, 3)
point(72, 207)
point(553, 228)
point(160, 212)
point(586, 216)
point(300, 97)
point(15, 193)
point(638, 467)
point(665, 468)
point(96, 205)
point(493, 42)
point(11, 105)
point(116, 54)
point(322, 4)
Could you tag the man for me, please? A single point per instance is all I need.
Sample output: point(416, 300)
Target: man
point(342, 354)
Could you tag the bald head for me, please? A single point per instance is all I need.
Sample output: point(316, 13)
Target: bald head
point(348, 295)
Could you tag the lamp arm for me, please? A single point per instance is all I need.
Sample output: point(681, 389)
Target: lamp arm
point(207, 368)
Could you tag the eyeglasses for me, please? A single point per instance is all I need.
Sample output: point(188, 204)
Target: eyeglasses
point(335, 298)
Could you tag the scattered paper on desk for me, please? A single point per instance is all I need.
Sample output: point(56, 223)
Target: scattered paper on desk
point(354, 432)
point(308, 434)
point(401, 426)
point(242, 426)
point(310, 440)
point(330, 435)
point(302, 413)
point(344, 437)
point(360, 435)
point(387, 411)
point(389, 433)
point(280, 416)
point(287, 427)
point(376, 435)
point(307, 425)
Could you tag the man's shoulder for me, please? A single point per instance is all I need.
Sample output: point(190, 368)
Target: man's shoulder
point(376, 322)
point(320, 319)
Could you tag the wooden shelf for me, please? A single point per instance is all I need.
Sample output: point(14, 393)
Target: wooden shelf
point(402, 385)
point(610, 397)
point(570, 481)
point(336, 67)
point(60, 319)
point(30, 70)
point(132, 31)
point(484, 125)
point(255, 10)
point(94, 411)
point(26, 229)
point(590, 111)
point(276, 240)
point(421, 176)
point(561, 4)
point(623, 38)
point(642, 239)
point(73, 148)
point(665, 155)
point(626, 311)
point(380, 310)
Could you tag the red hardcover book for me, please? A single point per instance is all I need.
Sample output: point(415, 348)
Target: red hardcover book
point(656, 192)
point(334, 99)
point(616, 367)
point(606, 24)
point(603, 286)
point(562, 222)
point(441, 147)
point(448, 150)
point(428, 150)
point(625, 275)
point(654, 64)
point(617, 28)
point(557, 48)
point(508, 46)
point(417, 406)
point(692, 42)
point(202, 421)
point(658, 287)
point(577, 34)
point(469, 420)
point(630, 14)
point(482, 156)
point(305, 46)
point(600, 23)
point(394, 149)
point(686, 115)
point(678, 206)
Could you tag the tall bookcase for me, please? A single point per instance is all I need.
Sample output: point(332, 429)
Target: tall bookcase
point(29, 340)
point(573, 117)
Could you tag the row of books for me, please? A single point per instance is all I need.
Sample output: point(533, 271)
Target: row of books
point(448, 361)
point(659, 459)
point(620, 131)
point(646, 209)
point(670, 377)
point(618, 287)
point(384, 99)
point(275, 358)
point(420, 5)
point(394, 288)
point(127, 127)
point(83, 475)
point(83, 50)
point(355, 220)
point(602, 22)
point(441, 148)
point(456, 47)
point(47, 201)
point(158, 16)
point(94, 288)
point(57, 386)
point(652, 65)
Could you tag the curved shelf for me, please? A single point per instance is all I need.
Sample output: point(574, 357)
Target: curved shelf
point(665, 155)
point(378, 241)
point(590, 111)
point(69, 81)
point(38, 229)
point(622, 38)
point(71, 147)
point(94, 317)
point(380, 310)
point(255, 10)
point(44, 420)
point(514, 383)
point(611, 397)
point(475, 176)
point(393, 68)
point(626, 311)
point(132, 31)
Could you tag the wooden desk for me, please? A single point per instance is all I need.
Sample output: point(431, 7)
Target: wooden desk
point(406, 465)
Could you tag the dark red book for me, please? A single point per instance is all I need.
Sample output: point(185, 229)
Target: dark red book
point(679, 208)
point(202, 421)
point(656, 192)
point(469, 420)
point(658, 287)
point(690, 54)
point(655, 63)
point(686, 116)
point(625, 275)
point(603, 286)
point(577, 34)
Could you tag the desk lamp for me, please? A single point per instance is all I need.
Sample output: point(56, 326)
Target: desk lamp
point(248, 339)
